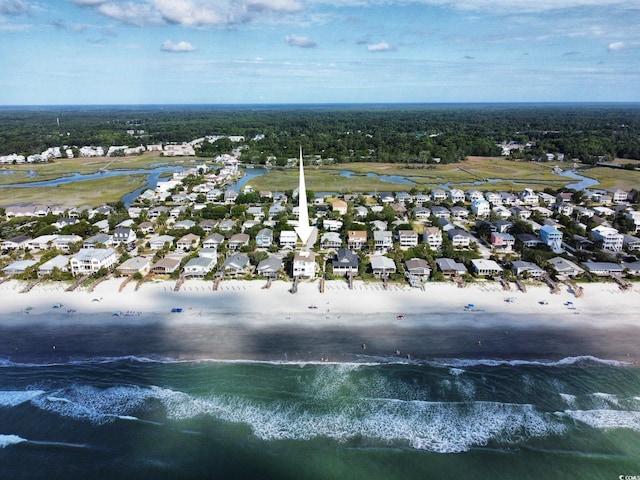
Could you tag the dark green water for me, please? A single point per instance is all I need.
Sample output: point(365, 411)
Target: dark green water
point(380, 418)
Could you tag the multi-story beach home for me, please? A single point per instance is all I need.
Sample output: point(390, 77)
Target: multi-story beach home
point(304, 264)
point(236, 264)
point(264, 238)
point(213, 241)
point(481, 208)
point(502, 242)
point(620, 196)
point(459, 238)
point(332, 225)
point(433, 236)
point(237, 241)
point(330, 240)
point(456, 195)
point(90, 260)
point(125, 236)
point(529, 268)
point(529, 197)
point(552, 237)
point(188, 242)
point(382, 240)
point(485, 267)
point(438, 195)
point(133, 265)
point(421, 213)
point(288, 239)
point(339, 206)
point(407, 238)
point(345, 262)
point(607, 238)
point(357, 239)
point(165, 266)
point(382, 266)
point(199, 267)
point(270, 267)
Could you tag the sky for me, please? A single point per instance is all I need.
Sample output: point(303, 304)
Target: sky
point(96, 52)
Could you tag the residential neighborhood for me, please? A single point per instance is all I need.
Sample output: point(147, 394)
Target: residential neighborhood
point(194, 225)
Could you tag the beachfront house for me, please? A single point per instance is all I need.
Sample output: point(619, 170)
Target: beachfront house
point(133, 265)
point(418, 268)
point(199, 267)
point(382, 266)
point(304, 264)
point(565, 267)
point(18, 267)
point(60, 262)
point(90, 260)
point(450, 267)
point(485, 267)
point(421, 213)
point(339, 206)
point(603, 269)
point(270, 267)
point(165, 266)
point(345, 262)
point(236, 264)
point(521, 267)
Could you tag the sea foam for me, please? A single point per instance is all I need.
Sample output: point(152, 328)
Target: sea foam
point(6, 440)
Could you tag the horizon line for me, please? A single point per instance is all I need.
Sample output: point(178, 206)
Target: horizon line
point(321, 104)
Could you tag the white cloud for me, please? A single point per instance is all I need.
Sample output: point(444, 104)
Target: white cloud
point(190, 13)
point(14, 7)
point(302, 42)
point(180, 47)
point(139, 14)
point(381, 47)
point(617, 46)
point(275, 5)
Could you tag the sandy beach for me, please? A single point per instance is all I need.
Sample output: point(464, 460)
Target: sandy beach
point(243, 320)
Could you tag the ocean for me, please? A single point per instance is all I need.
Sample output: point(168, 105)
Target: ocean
point(74, 409)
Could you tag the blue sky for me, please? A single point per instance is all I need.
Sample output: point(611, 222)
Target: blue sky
point(318, 51)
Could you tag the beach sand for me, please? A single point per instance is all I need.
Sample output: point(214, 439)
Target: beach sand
point(243, 320)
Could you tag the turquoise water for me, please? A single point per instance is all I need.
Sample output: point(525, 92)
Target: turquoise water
point(376, 418)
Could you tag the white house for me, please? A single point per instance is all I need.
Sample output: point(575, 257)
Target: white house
point(607, 238)
point(407, 238)
point(485, 267)
point(304, 264)
point(288, 239)
point(383, 240)
point(90, 260)
point(433, 236)
point(481, 208)
point(199, 266)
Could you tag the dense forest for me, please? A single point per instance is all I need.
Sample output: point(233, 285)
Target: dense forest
point(393, 133)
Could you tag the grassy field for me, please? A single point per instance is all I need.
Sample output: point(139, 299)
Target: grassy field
point(613, 178)
point(472, 173)
point(59, 168)
point(88, 192)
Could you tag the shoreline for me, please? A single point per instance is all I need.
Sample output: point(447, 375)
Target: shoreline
point(243, 321)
